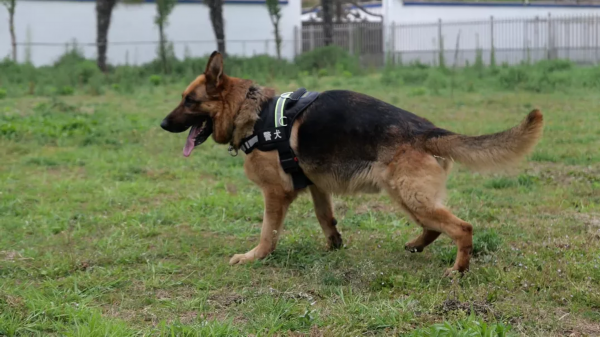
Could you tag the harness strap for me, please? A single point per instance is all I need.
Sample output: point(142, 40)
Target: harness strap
point(249, 143)
point(280, 106)
point(277, 138)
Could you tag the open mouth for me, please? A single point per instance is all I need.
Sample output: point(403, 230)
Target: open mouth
point(199, 133)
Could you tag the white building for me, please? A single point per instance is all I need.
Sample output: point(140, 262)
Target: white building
point(355, 14)
point(415, 30)
point(49, 25)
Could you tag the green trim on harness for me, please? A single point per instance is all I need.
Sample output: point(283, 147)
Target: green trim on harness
point(279, 109)
point(273, 129)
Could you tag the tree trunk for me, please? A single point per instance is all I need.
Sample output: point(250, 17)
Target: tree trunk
point(278, 40)
point(339, 11)
point(10, 6)
point(216, 17)
point(103, 13)
point(163, 47)
point(327, 5)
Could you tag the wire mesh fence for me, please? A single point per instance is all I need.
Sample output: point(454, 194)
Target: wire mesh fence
point(361, 39)
point(510, 41)
point(140, 52)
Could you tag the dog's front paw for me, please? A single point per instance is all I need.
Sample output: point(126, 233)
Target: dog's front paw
point(242, 258)
point(451, 272)
point(412, 248)
point(257, 253)
point(335, 241)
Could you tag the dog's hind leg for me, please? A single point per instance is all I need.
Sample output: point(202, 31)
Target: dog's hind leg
point(324, 212)
point(417, 182)
point(425, 239)
point(277, 203)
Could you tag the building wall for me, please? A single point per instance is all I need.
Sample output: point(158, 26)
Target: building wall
point(415, 31)
point(312, 15)
point(248, 29)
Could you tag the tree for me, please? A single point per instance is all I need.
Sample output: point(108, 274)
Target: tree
point(343, 12)
point(216, 18)
point(103, 15)
point(10, 6)
point(104, 10)
point(275, 15)
point(163, 10)
point(327, 5)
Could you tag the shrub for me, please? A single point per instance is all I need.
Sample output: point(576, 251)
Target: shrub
point(155, 80)
point(66, 90)
point(330, 57)
point(511, 78)
point(436, 81)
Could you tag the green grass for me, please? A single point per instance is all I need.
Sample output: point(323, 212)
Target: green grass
point(107, 230)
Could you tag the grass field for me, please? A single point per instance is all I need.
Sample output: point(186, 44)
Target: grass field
point(107, 230)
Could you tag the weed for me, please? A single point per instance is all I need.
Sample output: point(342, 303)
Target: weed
point(105, 229)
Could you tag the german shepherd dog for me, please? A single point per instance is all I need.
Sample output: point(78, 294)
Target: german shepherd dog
point(346, 143)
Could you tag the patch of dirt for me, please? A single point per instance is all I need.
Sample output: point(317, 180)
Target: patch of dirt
point(375, 206)
point(231, 189)
point(314, 332)
point(13, 301)
point(310, 295)
point(479, 308)
point(162, 294)
point(225, 300)
point(562, 174)
point(577, 326)
point(591, 222)
point(188, 317)
point(12, 256)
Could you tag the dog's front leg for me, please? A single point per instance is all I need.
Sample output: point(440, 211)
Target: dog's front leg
point(276, 206)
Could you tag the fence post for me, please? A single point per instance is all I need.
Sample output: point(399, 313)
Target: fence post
point(266, 47)
point(312, 37)
point(597, 44)
point(295, 41)
point(550, 37)
point(440, 45)
point(392, 51)
point(492, 51)
point(350, 39)
point(526, 57)
point(567, 32)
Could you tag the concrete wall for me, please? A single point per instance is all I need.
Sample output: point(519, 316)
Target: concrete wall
point(518, 32)
point(248, 29)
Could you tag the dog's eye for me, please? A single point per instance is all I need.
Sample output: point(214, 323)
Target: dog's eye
point(189, 101)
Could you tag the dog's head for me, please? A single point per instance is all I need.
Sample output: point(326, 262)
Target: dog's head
point(200, 103)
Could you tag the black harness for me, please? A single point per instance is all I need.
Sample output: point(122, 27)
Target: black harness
point(273, 129)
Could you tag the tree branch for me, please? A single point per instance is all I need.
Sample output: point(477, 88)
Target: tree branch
point(355, 4)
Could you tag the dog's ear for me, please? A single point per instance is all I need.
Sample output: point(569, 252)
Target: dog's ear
point(214, 73)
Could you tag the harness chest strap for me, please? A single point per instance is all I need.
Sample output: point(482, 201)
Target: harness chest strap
point(273, 132)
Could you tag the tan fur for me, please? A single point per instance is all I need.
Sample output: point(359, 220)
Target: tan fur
point(417, 182)
point(196, 87)
point(414, 175)
point(490, 152)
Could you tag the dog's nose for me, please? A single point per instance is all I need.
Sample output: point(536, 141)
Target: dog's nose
point(165, 124)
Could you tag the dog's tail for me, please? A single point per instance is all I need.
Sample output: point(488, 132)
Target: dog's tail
point(489, 152)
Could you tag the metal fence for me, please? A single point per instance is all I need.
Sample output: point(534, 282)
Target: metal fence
point(140, 52)
point(510, 41)
point(362, 39)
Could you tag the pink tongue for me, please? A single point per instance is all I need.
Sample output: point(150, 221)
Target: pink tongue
point(189, 143)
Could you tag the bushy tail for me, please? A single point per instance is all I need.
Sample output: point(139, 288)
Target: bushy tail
point(490, 152)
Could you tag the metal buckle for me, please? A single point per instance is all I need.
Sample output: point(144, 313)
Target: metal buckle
point(232, 151)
